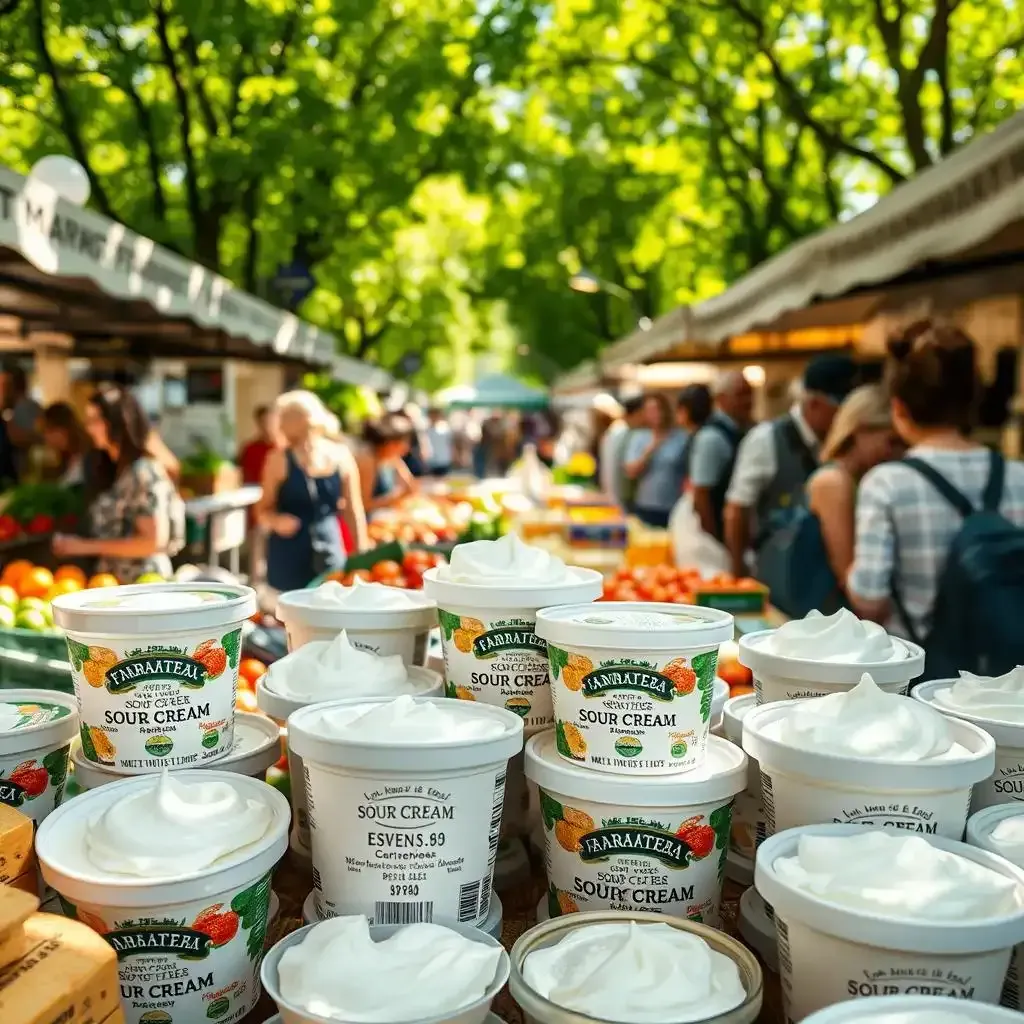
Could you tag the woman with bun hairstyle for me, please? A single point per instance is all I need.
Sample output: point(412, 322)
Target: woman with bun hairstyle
point(386, 478)
point(306, 484)
point(904, 524)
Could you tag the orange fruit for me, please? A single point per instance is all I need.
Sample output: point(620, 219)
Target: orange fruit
point(70, 572)
point(63, 586)
point(13, 571)
point(36, 582)
point(245, 700)
point(251, 669)
point(103, 579)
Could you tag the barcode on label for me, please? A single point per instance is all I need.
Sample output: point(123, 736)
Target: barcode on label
point(469, 900)
point(402, 913)
point(785, 964)
point(758, 691)
point(1011, 986)
point(317, 884)
point(496, 807)
point(306, 816)
point(768, 803)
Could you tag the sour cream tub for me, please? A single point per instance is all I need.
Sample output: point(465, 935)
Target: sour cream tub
point(435, 806)
point(652, 844)
point(806, 787)
point(202, 933)
point(757, 929)
point(492, 652)
point(719, 695)
point(633, 683)
point(475, 1013)
point(749, 824)
point(830, 952)
point(36, 730)
point(155, 667)
point(257, 747)
point(911, 1010)
point(537, 1009)
point(979, 833)
point(382, 630)
point(279, 707)
point(777, 677)
point(1006, 783)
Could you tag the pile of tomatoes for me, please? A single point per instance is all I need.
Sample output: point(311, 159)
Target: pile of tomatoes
point(666, 583)
point(407, 574)
point(250, 670)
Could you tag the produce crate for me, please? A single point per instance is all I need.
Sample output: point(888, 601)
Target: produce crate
point(30, 641)
point(22, 669)
point(739, 600)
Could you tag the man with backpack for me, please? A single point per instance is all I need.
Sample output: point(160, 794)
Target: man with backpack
point(714, 446)
point(776, 458)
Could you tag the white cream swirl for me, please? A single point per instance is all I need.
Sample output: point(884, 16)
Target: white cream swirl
point(840, 638)
point(423, 970)
point(505, 562)
point(174, 827)
point(405, 720)
point(640, 973)
point(868, 723)
point(328, 669)
point(1008, 838)
point(902, 877)
point(995, 698)
point(370, 597)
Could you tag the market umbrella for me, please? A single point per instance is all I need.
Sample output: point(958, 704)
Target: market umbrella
point(497, 391)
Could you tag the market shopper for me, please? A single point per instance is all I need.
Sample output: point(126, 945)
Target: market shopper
point(440, 443)
point(253, 456)
point(66, 444)
point(714, 447)
point(776, 458)
point(21, 414)
point(306, 484)
point(655, 462)
point(608, 433)
point(386, 478)
point(134, 512)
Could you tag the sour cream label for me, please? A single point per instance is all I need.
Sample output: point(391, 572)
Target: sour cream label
point(33, 781)
point(647, 859)
point(499, 661)
point(144, 707)
point(404, 852)
point(1006, 785)
point(193, 962)
point(633, 715)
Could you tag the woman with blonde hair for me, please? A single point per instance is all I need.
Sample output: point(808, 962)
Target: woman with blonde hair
point(860, 438)
point(306, 484)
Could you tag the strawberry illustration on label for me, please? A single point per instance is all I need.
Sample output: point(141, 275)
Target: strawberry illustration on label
point(683, 677)
point(213, 659)
point(222, 927)
point(700, 838)
point(33, 778)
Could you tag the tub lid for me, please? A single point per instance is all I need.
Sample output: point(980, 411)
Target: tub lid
point(981, 824)
point(33, 719)
point(732, 716)
point(634, 625)
point(149, 608)
point(722, 775)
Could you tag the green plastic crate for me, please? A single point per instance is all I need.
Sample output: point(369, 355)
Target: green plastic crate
point(23, 669)
point(47, 645)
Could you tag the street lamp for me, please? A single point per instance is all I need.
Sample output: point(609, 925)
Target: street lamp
point(586, 283)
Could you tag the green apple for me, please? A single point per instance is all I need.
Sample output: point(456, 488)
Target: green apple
point(31, 604)
point(31, 618)
point(8, 597)
point(7, 617)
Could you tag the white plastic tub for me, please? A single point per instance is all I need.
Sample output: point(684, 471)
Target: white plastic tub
point(749, 824)
point(757, 929)
point(912, 1010)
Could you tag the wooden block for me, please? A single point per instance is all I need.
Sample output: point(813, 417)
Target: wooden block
point(17, 856)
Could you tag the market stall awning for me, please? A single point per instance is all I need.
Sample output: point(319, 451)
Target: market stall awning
point(497, 391)
point(67, 270)
point(352, 371)
point(961, 208)
point(667, 331)
point(584, 377)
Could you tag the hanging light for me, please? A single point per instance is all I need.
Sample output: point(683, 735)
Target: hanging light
point(65, 176)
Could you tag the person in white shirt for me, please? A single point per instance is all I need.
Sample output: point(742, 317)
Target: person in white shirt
point(608, 426)
point(440, 444)
point(776, 458)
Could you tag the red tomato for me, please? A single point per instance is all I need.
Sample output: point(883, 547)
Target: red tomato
point(386, 571)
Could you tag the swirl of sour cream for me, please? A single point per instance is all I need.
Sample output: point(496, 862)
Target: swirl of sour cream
point(404, 720)
point(368, 597)
point(328, 669)
point(505, 562)
point(640, 973)
point(996, 698)
point(174, 827)
point(841, 638)
point(423, 970)
point(868, 723)
point(1008, 838)
point(895, 876)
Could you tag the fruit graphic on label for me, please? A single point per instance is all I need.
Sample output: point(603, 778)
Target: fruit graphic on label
point(103, 656)
point(683, 677)
point(578, 819)
point(568, 836)
point(576, 667)
point(474, 627)
point(155, 1017)
point(569, 741)
point(518, 705)
point(221, 925)
point(94, 673)
point(33, 778)
point(96, 744)
point(699, 837)
point(463, 640)
point(560, 902)
point(462, 693)
point(213, 659)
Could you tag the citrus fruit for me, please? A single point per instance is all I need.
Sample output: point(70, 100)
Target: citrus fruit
point(13, 572)
point(70, 572)
point(36, 582)
point(103, 579)
point(251, 669)
point(150, 577)
point(64, 586)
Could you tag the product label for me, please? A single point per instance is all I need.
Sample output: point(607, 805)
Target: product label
point(190, 963)
point(768, 690)
point(749, 823)
point(790, 801)
point(499, 661)
point(1005, 785)
point(632, 715)
point(672, 862)
point(404, 852)
point(149, 707)
point(410, 644)
point(819, 970)
point(1011, 985)
point(34, 781)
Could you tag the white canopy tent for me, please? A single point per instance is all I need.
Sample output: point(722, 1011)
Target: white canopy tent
point(495, 391)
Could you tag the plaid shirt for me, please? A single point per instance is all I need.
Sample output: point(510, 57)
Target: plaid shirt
point(905, 528)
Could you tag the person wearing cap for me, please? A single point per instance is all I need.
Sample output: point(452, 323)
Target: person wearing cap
point(776, 458)
point(715, 445)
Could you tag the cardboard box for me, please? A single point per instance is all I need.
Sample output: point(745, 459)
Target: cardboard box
point(15, 909)
point(17, 854)
point(67, 976)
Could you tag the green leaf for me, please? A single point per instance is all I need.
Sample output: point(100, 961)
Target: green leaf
point(232, 644)
point(551, 810)
point(88, 749)
point(554, 910)
point(558, 659)
point(78, 653)
point(561, 743)
point(448, 622)
point(704, 666)
point(252, 906)
point(56, 765)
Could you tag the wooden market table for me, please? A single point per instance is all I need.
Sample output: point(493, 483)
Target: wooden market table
point(293, 881)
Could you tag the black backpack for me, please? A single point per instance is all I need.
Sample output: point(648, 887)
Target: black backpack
point(977, 622)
